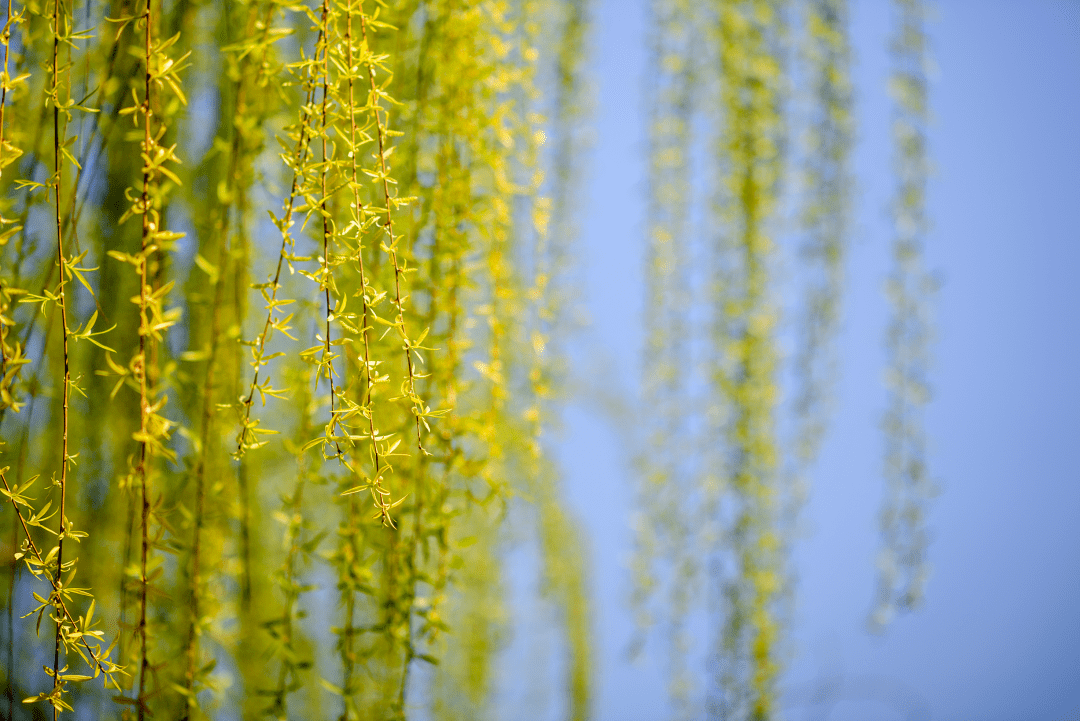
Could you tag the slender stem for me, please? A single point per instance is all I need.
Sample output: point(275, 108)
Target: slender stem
point(286, 241)
point(10, 616)
point(200, 482)
point(62, 301)
point(391, 248)
point(379, 494)
point(3, 90)
point(144, 403)
point(239, 305)
point(393, 554)
point(326, 276)
point(347, 652)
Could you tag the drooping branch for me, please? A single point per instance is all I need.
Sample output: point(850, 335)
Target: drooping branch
point(908, 487)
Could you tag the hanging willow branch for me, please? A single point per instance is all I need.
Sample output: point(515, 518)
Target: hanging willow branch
point(664, 535)
point(73, 630)
point(902, 563)
point(826, 216)
point(58, 180)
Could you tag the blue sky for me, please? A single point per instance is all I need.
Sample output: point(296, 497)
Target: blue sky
point(998, 636)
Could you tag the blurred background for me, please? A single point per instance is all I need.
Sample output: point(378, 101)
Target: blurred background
point(998, 635)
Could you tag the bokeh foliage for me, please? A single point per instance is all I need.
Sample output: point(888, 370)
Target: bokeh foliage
point(750, 137)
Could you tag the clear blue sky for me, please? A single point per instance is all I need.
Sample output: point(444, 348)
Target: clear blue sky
point(999, 635)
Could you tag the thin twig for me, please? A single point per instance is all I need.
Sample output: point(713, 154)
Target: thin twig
point(62, 301)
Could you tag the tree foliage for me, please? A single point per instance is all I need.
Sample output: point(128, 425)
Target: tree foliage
point(283, 304)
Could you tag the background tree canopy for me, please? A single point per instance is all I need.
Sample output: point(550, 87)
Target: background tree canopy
point(287, 300)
